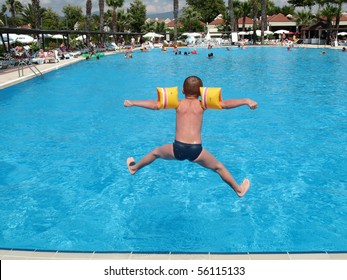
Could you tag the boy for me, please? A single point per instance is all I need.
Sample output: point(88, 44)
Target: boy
point(187, 144)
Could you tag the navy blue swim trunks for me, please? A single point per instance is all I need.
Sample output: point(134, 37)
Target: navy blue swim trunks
point(184, 151)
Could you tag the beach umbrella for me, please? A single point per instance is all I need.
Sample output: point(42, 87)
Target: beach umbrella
point(152, 35)
point(24, 39)
point(342, 33)
point(208, 36)
point(194, 34)
point(258, 32)
point(81, 38)
point(242, 33)
point(281, 31)
point(58, 36)
point(11, 37)
point(268, 32)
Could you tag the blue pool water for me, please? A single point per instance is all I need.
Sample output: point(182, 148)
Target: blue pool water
point(64, 140)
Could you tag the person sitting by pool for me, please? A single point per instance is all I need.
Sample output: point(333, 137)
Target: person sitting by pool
point(187, 144)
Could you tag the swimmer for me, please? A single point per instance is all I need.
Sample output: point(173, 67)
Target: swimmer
point(187, 144)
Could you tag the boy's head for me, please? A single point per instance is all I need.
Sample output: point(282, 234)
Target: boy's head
point(191, 86)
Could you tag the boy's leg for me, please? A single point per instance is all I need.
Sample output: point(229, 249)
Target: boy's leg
point(164, 152)
point(207, 160)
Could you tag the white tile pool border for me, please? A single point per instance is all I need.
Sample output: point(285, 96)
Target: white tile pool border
point(57, 255)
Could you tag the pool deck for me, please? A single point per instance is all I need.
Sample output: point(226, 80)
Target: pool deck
point(11, 77)
point(56, 255)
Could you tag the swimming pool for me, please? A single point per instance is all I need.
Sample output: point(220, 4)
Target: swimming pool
point(64, 140)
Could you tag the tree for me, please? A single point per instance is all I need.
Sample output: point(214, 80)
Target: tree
point(245, 11)
point(123, 20)
point(231, 15)
point(175, 12)
point(73, 14)
point(338, 11)
point(263, 19)
point(102, 12)
point(28, 15)
point(51, 20)
point(88, 17)
point(137, 13)
point(304, 19)
point(302, 3)
point(191, 19)
point(101, 18)
point(14, 7)
point(114, 4)
point(255, 13)
point(37, 13)
point(209, 9)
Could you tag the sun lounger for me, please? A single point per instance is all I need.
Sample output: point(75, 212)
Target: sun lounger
point(53, 57)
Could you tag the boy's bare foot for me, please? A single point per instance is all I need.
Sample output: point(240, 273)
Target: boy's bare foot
point(244, 187)
point(130, 165)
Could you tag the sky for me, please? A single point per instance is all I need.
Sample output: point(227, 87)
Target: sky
point(153, 6)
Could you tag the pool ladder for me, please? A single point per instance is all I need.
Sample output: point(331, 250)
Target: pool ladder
point(22, 64)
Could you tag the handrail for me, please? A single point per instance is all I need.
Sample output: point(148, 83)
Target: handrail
point(23, 64)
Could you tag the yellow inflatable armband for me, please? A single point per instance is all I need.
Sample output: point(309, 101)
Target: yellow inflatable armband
point(168, 97)
point(210, 97)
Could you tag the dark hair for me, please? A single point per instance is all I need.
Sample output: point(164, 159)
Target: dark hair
point(191, 85)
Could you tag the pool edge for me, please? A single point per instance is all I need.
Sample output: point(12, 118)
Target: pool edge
point(11, 254)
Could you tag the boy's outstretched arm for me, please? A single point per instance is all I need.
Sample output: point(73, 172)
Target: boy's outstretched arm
point(148, 104)
point(233, 103)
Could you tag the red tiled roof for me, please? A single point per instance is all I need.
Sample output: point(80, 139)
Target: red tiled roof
point(217, 21)
point(172, 23)
point(279, 18)
point(248, 20)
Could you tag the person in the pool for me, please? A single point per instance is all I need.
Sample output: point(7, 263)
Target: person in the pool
point(187, 144)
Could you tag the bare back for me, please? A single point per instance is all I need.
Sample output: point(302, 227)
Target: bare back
point(189, 121)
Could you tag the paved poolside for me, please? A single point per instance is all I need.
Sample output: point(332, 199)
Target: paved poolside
point(56, 255)
point(9, 77)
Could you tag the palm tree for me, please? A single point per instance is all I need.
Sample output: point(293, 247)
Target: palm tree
point(329, 12)
point(175, 12)
point(304, 19)
point(123, 20)
point(28, 14)
point(114, 4)
point(245, 10)
point(263, 19)
point(102, 12)
point(149, 26)
point(88, 16)
point(37, 13)
point(190, 17)
point(231, 15)
point(14, 6)
point(339, 11)
point(255, 13)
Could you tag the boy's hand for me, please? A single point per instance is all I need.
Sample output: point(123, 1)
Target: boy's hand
point(128, 103)
point(252, 104)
